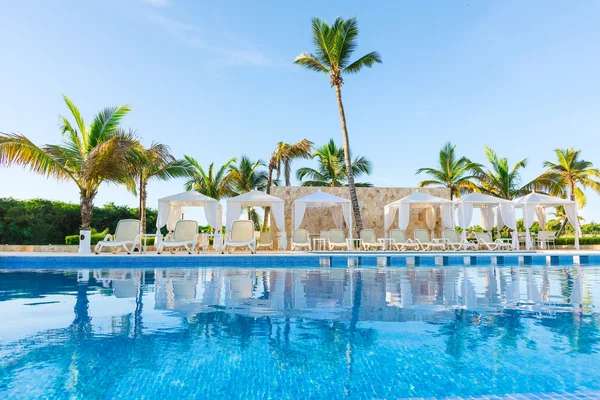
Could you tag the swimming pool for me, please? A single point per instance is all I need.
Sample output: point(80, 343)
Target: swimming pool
point(329, 332)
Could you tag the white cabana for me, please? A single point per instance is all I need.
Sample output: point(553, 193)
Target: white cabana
point(536, 204)
point(340, 208)
point(418, 200)
point(257, 199)
point(170, 209)
point(505, 212)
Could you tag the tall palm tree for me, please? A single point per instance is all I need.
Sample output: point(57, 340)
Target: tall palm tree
point(283, 155)
point(573, 174)
point(248, 175)
point(331, 170)
point(215, 183)
point(334, 46)
point(89, 155)
point(456, 174)
point(157, 164)
point(501, 181)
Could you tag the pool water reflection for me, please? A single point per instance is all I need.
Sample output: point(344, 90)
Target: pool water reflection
point(291, 333)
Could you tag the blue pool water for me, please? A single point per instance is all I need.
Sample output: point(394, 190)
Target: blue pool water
point(299, 333)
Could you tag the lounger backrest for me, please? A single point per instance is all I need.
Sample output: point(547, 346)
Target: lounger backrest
point(422, 236)
point(337, 236)
point(543, 235)
point(551, 235)
point(398, 235)
point(484, 236)
point(127, 230)
point(324, 235)
point(368, 236)
point(185, 230)
point(451, 235)
point(265, 238)
point(242, 231)
point(300, 236)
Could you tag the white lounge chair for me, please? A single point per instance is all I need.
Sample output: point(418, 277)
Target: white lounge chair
point(184, 235)
point(264, 241)
point(485, 241)
point(369, 240)
point(422, 237)
point(338, 239)
point(300, 240)
point(455, 243)
point(127, 234)
point(241, 236)
point(545, 239)
point(400, 241)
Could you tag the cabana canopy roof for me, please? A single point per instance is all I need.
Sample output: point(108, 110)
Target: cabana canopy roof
point(322, 199)
point(255, 198)
point(482, 200)
point(418, 198)
point(541, 200)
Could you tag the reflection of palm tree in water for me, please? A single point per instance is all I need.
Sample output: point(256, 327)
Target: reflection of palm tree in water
point(137, 315)
point(82, 322)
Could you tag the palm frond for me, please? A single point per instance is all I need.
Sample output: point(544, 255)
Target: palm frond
point(368, 60)
point(16, 149)
point(106, 122)
point(309, 61)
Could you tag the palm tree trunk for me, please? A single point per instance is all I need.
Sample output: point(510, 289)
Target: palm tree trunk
point(86, 202)
point(350, 175)
point(288, 171)
point(143, 198)
point(268, 209)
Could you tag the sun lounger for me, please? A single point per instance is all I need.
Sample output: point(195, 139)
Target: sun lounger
point(241, 235)
point(400, 241)
point(422, 237)
point(127, 237)
point(337, 239)
point(485, 241)
point(300, 240)
point(453, 241)
point(184, 235)
point(265, 241)
point(369, 240)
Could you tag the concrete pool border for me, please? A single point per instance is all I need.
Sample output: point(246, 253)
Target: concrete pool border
point(32, 260)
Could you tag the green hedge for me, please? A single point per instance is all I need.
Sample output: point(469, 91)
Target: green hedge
point(570, 241)
point(40, 221)
point(74, 239)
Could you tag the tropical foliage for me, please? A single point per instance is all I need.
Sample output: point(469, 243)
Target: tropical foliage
point(500, 180)
point(43, 222)
point(572, 174)
point(89, 155)
point(331, 170)
point(455, 173)
point(215, 183)
point(333, 48)
point(157, 163)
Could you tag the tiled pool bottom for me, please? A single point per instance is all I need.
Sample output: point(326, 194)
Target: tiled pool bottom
point(258, 333)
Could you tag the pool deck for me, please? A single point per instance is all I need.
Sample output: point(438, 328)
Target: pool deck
point(50, 260)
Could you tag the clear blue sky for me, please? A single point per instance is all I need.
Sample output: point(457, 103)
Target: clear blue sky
point(215, 80)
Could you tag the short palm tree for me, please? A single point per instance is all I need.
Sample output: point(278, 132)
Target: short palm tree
point(248, 175)
point(331, 170)
point(573, 174)
point(334, 46)
point(89, 155)
point(456, 174)
point(215, 183)
point(157, 164)
point(283, 157)
point(501, 181)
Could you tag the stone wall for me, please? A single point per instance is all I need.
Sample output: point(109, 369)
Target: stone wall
point(371, 200)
